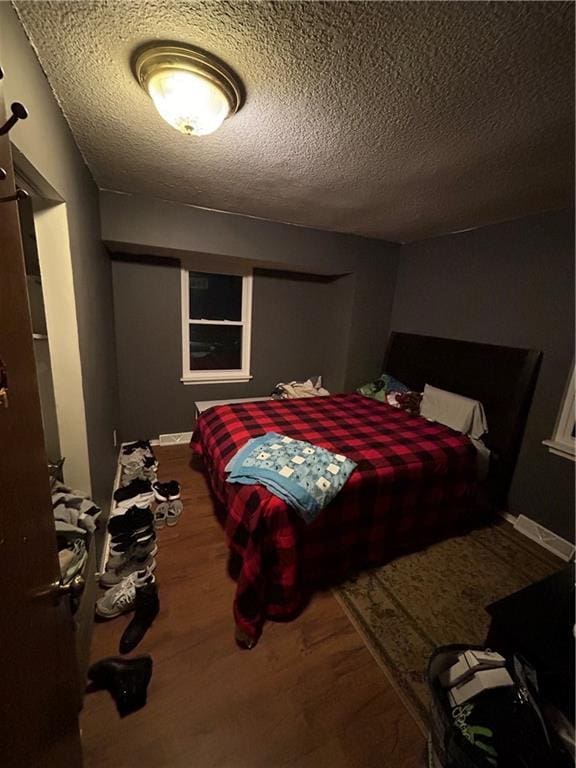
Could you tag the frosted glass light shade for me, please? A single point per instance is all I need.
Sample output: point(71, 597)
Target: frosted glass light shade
point(189, 102)
point(192, 89)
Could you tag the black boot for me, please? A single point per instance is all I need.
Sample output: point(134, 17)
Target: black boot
point(146, 607)
point(126, 679)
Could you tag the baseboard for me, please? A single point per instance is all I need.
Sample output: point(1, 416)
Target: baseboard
point(509, 518)
point(175, 438)
point(548, 539)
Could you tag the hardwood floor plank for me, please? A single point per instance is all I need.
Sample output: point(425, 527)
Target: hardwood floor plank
point(309, 695)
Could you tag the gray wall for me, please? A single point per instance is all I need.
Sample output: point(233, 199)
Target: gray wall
point(510, 284)
point(131, 223)
point(45, 142)
point(294, 335)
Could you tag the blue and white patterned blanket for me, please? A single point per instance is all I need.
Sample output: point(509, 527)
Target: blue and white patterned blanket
point(305, 476)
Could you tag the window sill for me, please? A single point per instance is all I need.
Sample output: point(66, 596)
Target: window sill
point(218, 380)
point(560, 449)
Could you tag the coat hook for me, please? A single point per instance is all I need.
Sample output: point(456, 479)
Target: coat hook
point(19, 112)
point(20, 194)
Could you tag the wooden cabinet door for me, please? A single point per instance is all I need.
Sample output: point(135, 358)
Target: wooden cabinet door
point(40, 693)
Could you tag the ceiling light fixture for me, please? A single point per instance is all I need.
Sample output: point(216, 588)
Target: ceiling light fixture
point(191, 89)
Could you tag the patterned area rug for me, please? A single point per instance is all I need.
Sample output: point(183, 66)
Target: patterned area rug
point(405, 609)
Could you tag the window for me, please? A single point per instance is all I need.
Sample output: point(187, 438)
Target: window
point(216, 315)
point(563, 441)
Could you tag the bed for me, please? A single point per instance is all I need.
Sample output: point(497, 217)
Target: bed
point(415, 483)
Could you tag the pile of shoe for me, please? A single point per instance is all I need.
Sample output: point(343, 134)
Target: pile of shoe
point(129, 578)
point(138, 462)
point(169, 507)
point(132, 545)
point(131, 522)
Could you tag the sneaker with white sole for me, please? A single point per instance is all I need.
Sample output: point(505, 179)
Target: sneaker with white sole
point(169, 491)
point(173, 512)
point(116, 575)
point(117, 559)
point(120, 544)
point(121, 598)
point(142, 501)
point(160, 516)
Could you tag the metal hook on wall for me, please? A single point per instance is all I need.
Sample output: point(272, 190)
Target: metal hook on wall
point(19, 112)
point(20, 194)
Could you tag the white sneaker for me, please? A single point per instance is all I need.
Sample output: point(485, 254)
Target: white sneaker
point(120, 599)
point(142, 500)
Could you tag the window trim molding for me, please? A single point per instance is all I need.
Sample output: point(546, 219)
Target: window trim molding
point(562, 443)
point(236, 375)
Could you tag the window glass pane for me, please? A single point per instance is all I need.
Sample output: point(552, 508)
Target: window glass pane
point(215, 347)
point(215, 297)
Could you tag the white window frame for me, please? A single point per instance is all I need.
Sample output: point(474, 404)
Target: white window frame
point(562, 443)
point(211, 376)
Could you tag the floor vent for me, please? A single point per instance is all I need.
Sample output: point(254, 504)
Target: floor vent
point(544, 537)
point(175, 438)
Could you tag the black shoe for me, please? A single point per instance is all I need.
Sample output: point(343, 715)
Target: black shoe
point(135, 446)
point(146, 609)
point(126, 679)
point(139, 538)
point(169, 491)
point(130, 536)
point(135, 488)
point(134, 519)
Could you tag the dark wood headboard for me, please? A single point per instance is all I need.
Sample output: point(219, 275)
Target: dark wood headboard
point(503, 379)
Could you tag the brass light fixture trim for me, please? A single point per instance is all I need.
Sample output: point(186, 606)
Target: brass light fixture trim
point(153, 57)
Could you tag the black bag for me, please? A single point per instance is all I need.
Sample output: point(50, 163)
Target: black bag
point(499, 728)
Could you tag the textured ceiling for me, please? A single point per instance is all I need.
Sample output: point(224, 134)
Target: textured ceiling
point(396, 120)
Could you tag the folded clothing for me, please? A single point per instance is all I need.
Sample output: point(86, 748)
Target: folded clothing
point(312, 387)
point(74, 508)
point(74, 517)
point(69, 530)
point(306, 476)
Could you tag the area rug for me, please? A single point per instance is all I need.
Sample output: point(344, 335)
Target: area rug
point(407, 608)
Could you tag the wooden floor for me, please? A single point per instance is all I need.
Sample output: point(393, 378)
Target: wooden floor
point(309, 695)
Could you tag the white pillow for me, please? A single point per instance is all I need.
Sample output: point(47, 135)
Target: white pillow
point(455, 411)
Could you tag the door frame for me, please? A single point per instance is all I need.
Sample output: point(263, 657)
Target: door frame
point(55, 259)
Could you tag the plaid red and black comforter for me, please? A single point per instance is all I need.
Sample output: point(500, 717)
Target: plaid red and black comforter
point(414, 482)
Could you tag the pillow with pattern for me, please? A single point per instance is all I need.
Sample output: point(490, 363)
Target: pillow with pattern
point(380, 387)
